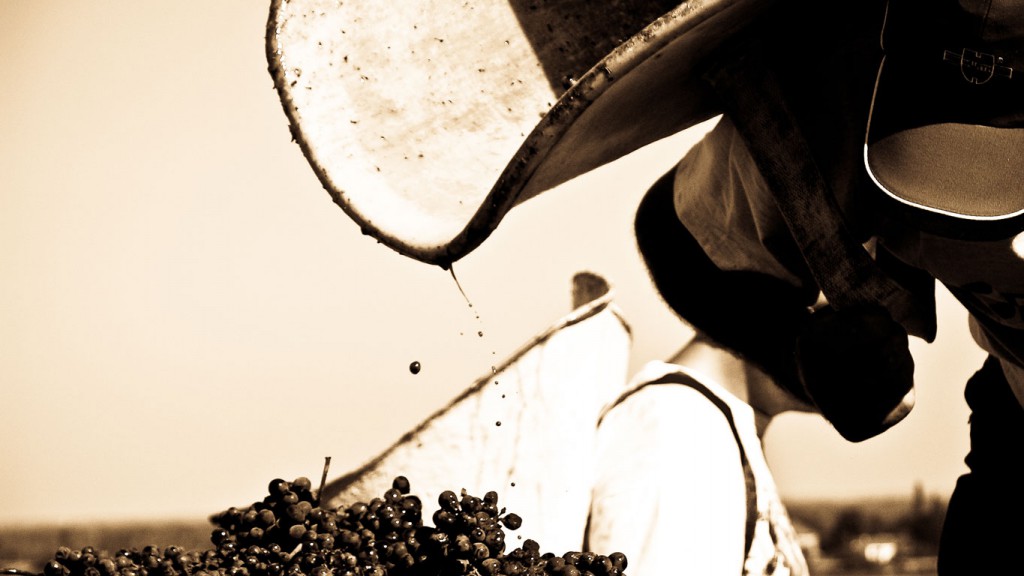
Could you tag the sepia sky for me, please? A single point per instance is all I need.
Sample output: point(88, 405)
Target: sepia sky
point(185, 314)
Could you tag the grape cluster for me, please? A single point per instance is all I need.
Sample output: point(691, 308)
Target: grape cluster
point(289, 534)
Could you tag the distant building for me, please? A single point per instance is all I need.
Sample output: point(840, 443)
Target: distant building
point(880, 549)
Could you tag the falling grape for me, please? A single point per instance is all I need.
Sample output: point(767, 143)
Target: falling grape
point(414, 367)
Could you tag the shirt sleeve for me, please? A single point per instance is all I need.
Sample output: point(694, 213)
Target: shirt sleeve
point(987, 278)
point(725, 203)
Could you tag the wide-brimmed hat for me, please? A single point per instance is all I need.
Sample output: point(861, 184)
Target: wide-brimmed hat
point(946, 130)
point(428, 121)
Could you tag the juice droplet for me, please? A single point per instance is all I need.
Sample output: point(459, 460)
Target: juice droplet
point(459, 286)
point(414, 367)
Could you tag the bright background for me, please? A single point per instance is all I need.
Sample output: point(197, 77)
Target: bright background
point(185, 314)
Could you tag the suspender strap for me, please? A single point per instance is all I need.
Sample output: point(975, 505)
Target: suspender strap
point(843, 269)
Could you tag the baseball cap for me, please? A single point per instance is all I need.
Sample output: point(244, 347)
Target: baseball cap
point(945, 134)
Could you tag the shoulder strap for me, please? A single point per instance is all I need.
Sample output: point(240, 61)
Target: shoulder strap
point(843, 269)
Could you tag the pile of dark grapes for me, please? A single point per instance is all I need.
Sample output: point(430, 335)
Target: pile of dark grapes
point(289, 534)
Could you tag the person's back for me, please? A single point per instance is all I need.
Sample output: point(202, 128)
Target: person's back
point(682, 483)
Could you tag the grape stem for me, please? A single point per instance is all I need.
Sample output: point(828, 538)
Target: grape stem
point(294, 551)
point(323, 479)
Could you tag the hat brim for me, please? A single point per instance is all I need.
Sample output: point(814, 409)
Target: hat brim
point(934, 143)
point(425, 130)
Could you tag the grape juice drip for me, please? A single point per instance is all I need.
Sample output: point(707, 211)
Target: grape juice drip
point(289, 534)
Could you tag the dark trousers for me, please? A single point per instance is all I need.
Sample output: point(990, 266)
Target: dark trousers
point(984, 528)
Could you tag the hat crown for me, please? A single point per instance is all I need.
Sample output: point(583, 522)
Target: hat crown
point(971, 53)
point(1002, 26)
point(993, 28)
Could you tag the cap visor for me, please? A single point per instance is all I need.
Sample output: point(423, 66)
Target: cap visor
point(934, 141)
